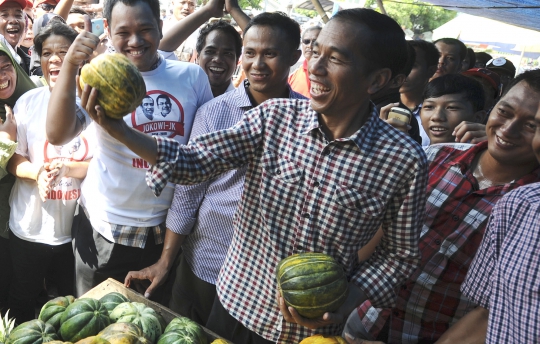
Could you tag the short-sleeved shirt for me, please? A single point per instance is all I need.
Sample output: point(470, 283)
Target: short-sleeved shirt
point(505, 274)
point(306, 193)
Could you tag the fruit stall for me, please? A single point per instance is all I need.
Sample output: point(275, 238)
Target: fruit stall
point(110, 314)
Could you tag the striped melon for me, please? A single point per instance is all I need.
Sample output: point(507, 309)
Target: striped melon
point(312, 283)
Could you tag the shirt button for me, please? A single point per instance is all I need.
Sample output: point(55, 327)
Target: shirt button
point(404, 287)
point(278, 172)
point(396, 313)
point(455, 217)
point(306, 215)
point(316, 184)
point(437, 241)
point(299, 248)
point(326, 152)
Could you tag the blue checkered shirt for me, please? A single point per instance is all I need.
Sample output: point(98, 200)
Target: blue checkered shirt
point(205, 211)
point(505, 274)
point(304, 193)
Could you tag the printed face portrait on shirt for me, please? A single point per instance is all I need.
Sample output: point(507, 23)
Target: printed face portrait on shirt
point(160, 113)
point(147, 107)
point(164, 104)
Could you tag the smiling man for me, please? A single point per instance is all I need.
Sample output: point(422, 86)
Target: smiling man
point(465, 182)
point(125, 217)
point(317, 172)
point(201, 216)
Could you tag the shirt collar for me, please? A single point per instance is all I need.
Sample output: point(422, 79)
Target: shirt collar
point(464, 161)
point(242, 99)
point(363, 138)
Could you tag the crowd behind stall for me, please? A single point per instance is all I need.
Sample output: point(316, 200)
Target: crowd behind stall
point(234, 161)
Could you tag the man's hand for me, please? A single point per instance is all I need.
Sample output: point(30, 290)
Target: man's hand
point(82, 48)
point(396, 123)
point(115, 127)
point(57, 170)
point(215, 8)
point(44, 181)
point(354, 298)
point(231, 5)
point(156, 274)
point(470, 132)
point(8, 128)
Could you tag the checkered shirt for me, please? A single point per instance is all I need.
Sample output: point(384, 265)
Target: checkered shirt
point(429, 302)
point(129, 235)
point(204, 212)
point(305, 194)
point(505, 274)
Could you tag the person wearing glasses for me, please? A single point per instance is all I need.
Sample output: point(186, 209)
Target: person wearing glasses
point(44, 6)
point(299, 79)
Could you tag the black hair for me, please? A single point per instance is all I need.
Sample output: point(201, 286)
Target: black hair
point(167, 99)
point(457, 84)
point(3, 53)
point(78, 10)
point(483, 58)
point(472, 58)
point(311, 28)
point(532, 78)
point(411, 57)
point(384, 46)
point(109, 5)
point(57, 28)
point(147, 96)
point(453, 41)
point(225, 28)
point(281, 21)
point(431, 53)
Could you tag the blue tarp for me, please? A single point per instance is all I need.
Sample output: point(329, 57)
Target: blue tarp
point(524, 13)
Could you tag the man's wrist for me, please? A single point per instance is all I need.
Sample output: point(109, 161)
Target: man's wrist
point(38, 172)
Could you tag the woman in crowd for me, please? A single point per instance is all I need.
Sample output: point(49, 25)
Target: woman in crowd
point(44, 197)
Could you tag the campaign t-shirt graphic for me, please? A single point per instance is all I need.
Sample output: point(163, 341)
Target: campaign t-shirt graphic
point(160, 113)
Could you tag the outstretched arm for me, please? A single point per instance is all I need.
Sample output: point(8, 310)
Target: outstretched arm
point(62, 124)
point(173, 38)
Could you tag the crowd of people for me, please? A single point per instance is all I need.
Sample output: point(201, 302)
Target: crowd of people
point(197, 195)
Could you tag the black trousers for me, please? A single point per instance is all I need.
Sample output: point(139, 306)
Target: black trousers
point(191, 296)
point(31, 263)
point(223, 324)
point(97, 258)
point(6, 273)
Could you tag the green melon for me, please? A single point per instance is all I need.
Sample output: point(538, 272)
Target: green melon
point(51, 312)
point(111, 300)
point(151, 323)
point(32, 332)
point(188, 326)
point(312, 283)
point(83, 318)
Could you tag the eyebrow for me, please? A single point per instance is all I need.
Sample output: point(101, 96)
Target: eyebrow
point(340, 51)
point(502, 102)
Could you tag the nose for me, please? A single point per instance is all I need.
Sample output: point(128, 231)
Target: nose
point(135, 40)
point(438, 115)
point(55, 58)
point(511, 128)
point(258, 62)
point(317, 66)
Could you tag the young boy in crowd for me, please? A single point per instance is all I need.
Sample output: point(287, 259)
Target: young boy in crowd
point(465, 182)
point(449, 101)
point(122, 224)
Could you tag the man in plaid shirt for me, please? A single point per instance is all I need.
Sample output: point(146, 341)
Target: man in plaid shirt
point(322, 176)
point(465, 182)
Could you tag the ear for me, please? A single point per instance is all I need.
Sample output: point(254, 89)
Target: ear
point(398, 81)
point(378, 79)
point(294, 57)
point(480, 116)
point(107, 27)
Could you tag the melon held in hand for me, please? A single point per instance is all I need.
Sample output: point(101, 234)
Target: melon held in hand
point(120, 84)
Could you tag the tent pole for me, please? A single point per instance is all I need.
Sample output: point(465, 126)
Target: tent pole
point(320, 10)
point(521, 58)
point(381, 7)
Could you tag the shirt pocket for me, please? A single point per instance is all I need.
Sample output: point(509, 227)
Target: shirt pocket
point(359, 201)
point(281, 191)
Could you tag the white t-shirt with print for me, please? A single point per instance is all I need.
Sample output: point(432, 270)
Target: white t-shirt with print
point(30, 218)
point(115, 189)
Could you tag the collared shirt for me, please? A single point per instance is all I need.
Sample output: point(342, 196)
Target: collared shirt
point(305, 193)
point(505, 274)
point(205, 211)
point(457, 212)
point(299, 80)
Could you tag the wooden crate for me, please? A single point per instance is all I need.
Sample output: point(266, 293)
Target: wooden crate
point(111, 285)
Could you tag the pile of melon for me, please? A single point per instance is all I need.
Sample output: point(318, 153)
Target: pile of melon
point(111, 320)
